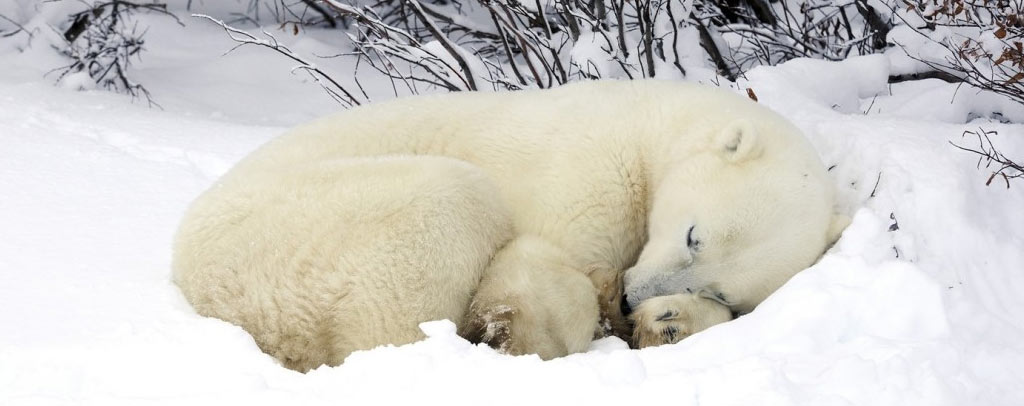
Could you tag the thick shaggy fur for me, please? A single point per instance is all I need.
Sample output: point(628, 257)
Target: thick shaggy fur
point(512, 214)
point(321, 258)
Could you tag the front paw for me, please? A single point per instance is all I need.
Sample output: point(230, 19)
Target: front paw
point(669, 319)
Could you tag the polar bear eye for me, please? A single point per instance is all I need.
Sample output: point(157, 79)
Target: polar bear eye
point(690, 241)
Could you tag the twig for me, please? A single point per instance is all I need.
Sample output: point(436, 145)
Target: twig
point(877, 180)
point(335, 90)
point(20, 28)
point(990, 156)
point(322, 11)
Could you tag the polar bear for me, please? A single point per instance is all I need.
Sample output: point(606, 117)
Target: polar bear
point(515, 215)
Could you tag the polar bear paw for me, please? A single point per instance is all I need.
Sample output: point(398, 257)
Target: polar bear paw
point(669, 319)
point(492, 326)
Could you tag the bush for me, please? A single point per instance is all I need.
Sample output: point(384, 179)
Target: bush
point(102, 40)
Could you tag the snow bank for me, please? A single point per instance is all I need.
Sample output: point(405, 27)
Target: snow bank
point(834, 85)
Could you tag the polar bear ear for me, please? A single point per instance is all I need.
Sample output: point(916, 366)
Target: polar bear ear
point(835, 229)
point(738, 142)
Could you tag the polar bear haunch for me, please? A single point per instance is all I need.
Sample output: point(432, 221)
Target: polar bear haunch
point(305, 259)
point(514, 215)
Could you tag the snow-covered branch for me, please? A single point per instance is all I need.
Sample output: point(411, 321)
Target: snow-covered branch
point(981, 42)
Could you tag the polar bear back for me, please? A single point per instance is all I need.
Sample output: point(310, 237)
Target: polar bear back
point(565, 158)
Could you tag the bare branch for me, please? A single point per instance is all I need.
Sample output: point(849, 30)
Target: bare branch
point(338, 92)
point(993, 160)
point(20, 28)
point(452, 49)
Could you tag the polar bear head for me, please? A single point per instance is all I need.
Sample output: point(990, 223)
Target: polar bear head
point(749, 206)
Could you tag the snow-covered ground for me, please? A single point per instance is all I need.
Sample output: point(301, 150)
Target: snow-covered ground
point(918, 304)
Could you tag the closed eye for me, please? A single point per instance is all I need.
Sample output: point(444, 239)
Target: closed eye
point(690, 241)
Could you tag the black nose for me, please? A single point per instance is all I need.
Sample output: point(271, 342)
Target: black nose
point(624, 306)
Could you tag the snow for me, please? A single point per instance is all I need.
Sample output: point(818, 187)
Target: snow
point(918, 303)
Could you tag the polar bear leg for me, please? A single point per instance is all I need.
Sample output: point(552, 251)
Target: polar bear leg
point(669, 319)
point(531, 302)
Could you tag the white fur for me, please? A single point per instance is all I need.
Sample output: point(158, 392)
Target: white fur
point(346, 232)
point(323, 258)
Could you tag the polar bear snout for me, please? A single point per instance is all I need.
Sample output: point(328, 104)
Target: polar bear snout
point(663, 268)
point(636, 294)
point(643, 282)
point(640, 285)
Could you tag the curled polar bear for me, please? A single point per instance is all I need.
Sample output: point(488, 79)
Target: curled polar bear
point(514, 215)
